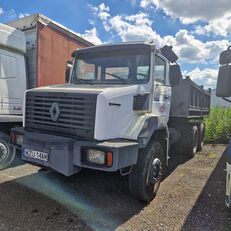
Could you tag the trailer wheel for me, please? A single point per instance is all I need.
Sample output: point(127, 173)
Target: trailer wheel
point(201, 136)
point(146, 175)
point(191, 149)
point(7, 153)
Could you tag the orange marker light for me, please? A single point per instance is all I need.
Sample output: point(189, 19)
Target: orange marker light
point(13, 137)
point(109, 159)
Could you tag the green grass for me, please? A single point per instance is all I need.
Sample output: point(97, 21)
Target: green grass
point(218, 125)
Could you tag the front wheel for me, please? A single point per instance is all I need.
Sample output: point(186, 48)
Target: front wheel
point(7, 153)
point(146, 175)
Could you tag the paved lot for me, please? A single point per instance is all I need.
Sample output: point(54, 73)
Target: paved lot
point(190, 198)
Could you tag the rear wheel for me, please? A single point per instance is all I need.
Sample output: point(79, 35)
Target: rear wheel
point(201, 136)
point(7, 153)
point(146, 175)
point(191, 148)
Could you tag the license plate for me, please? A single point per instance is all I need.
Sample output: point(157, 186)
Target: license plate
point(35, 154)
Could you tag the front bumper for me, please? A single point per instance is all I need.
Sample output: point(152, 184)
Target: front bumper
point(66, 154)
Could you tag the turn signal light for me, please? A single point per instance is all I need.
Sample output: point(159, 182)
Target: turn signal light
point(109, 159)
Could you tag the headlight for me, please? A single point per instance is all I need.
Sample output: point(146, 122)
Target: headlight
point(100, 157)
point(95, 156)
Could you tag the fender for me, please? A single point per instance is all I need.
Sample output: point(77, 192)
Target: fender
point(151, 125)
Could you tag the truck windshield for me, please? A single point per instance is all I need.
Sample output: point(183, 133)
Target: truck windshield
point(117, 67)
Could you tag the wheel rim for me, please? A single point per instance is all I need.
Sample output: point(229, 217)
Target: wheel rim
point(155, 173)
point(3, 152)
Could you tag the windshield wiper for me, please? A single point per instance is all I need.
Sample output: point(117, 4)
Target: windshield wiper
point(84, 80)
point(142, 74)
point(116, 76)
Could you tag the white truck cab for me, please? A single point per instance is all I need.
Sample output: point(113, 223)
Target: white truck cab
point(123, 108)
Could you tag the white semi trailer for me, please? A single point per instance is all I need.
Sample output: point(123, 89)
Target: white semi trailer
point(124, 107)
point(12, 86)
point(27, 47)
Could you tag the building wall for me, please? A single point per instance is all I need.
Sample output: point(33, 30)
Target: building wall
point(217, 101)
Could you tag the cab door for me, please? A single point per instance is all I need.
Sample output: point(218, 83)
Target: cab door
point(162, 89)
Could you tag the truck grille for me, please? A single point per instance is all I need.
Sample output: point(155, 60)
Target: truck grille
point(59, 112)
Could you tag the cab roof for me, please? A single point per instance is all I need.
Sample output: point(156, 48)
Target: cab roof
point(115, 46)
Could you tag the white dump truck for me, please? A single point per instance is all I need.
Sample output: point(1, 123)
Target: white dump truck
point(29, 57)
point(224, 90)
point(123, 108)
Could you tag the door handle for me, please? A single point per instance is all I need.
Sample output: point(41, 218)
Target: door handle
point(167, 96)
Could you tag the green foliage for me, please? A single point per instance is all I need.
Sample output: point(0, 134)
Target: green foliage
point(218, 125)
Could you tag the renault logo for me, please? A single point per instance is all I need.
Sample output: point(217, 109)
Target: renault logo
point(54, 112)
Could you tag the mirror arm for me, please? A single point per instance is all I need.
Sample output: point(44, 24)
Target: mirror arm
point(228, 100)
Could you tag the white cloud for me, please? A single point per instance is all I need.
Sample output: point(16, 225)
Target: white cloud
point(1, 11)
point(135, 27)
point(102, 11)
point(92, 36)
point(139, 27)
point(133, 2)
point(22, 15)
point(221, 26)
point(192, 50)
point(189, 11)
point(206, 77)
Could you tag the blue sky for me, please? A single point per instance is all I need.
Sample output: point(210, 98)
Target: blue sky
point(198, 30)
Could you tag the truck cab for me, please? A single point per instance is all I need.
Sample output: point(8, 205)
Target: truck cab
point(112, 115)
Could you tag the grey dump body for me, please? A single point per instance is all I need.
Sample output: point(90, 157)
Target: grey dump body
point(189, 100)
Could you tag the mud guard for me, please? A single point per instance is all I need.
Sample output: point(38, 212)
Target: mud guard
point(151, 125)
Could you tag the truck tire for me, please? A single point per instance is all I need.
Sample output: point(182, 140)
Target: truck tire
point(201, 136)
point(7, 153)
point(192, 147)
point(146, 175)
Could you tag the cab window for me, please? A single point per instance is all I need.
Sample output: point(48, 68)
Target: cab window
point(160, 70)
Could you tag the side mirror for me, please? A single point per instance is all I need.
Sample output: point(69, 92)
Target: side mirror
point(224, 74)
point(69, 66)
point(169, 54)
point(175, 75)
point(224, 82)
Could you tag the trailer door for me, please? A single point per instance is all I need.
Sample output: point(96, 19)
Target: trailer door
point(12, 82)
